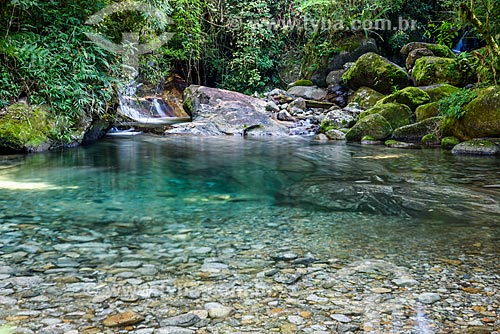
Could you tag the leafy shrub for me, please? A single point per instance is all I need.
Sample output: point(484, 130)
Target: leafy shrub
point(453, 105)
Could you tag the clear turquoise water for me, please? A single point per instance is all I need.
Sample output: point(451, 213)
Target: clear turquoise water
point(180, 206)
point(323, 199)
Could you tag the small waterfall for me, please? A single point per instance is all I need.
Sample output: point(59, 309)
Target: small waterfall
point(150, 111)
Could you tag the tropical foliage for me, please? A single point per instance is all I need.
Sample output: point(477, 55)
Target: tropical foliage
point(46, 57)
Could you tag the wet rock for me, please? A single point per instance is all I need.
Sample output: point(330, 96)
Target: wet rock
point(477, 147)
point(183, 320)
point(174, 330)
point(123, 319)
point(429, 297)
point(308, 93)
point(335, 134)
point(217, 310)
point(340, 318)
point(405, 282)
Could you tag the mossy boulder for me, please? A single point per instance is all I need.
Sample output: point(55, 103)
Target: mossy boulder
point(481, 118)
point(439, 91)
point(436, 70)
point(366, 97)
point(449, 142)
point(431, 139)
point(376, 72)
point(437, 49)
point(374, 125)
point(25, 129)
point(415, 132)
point(477, 147)
point(398, 144)
point(427, 111)
point(397, 115)
point(410, 96)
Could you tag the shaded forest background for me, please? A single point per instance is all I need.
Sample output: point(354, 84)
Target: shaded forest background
point(247, 46)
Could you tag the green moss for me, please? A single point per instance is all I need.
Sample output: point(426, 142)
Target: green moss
point(24, 128)
point(397, 115)
point(439, 91)
point(415, 132)
point(427, 111)
point(374, 125)
point(366, 97)
point(376, 72)
point(440, 50)
point(326, 126)
point(391, 142)
point(368, 138)
point(430, 139)
point(481, 117)
point(449, 142)
point(306, 83)
point(436, 70)
point(410, 96)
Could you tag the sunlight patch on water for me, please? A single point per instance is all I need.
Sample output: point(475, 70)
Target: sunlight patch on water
point(27, 185)
point(384, 156)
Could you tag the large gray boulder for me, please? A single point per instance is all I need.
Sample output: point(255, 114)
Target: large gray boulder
point(218, 112)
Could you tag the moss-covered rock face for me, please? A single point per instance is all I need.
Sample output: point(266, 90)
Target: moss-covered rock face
point(439, 91)
point(437, 49)
point(397, 115)
point(366, 97)
point(376, 72)
point(481, 118)
point(436, 70)
point(410, 96)
point(374, 125)
point(25, 129)
point(427, 111)
point(297, 83)
point(477, 147)
point(415, 132)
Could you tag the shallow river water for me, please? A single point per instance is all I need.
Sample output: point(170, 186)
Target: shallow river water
point(286, 235)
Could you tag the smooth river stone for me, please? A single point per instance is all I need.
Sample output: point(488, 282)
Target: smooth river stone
point(217, 310)
point(123, 319)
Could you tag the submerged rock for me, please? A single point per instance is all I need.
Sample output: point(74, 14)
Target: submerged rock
point(221, 112)
point(376, 72)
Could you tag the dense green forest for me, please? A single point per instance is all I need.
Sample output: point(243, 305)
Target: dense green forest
point(246, 46)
